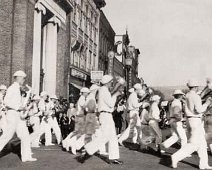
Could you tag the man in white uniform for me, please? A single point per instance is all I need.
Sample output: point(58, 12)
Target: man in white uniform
point(175, 121)
point(106, 104)
point(35, 121)
point(71, 139)
point(52, 120)
point(13, 102)
point(197, 142)
point(44, 126)
point(154, 116)
point(3, 120)
point(133, 109)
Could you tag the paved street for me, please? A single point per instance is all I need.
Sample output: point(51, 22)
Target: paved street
point(52, 158)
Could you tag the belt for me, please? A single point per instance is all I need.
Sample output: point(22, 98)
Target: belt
point(146, 124)
point(193, 117)
point(105, 112)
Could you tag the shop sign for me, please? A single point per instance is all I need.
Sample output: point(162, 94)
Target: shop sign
point(96, 75)
point(78, 74)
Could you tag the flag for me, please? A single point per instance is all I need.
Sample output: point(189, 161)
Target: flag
point(75, 46)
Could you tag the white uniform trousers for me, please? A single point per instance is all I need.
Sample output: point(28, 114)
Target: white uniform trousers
point(3, 121)
point(18, 126)
point(134, 123)
point(197, 142)
point(65, 142)
point(35, 135)
point(107, 135)
point(178, 133)
point(54, 125)
point(45, 129)
point(158, 134)
point(83, 139)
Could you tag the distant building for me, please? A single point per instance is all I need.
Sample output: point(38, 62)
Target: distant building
point(85, 43)
point(106, 41)
point(106, 44)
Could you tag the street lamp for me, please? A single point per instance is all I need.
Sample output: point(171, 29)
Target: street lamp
point(128, 65)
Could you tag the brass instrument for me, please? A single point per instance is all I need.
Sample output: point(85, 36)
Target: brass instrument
point(205, 94)
point(119, 85)
point(24, 114)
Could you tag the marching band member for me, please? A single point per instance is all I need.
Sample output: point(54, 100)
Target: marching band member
point(52, 120)
point(71, 139)
point(35, 121)
point(44, 126)
point(106, 103)
point(15, 124)
point(133, 109)
point(91, 122)
point(3, 120)
point(175, 121)
point(197, 142)
point(154, 116)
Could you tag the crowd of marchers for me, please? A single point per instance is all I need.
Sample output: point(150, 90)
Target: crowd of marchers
point(105, 117)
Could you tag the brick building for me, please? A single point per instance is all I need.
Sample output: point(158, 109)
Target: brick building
point(35, 37)
point(55, 42)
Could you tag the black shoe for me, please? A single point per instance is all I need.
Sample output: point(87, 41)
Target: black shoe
point(158, 152)
point(115, 162)
point(82, 158)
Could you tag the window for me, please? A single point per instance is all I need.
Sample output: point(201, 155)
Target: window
point(91, 30)
point(95, 20)
point(90, 60)
point(86, 25)
point(75, 13)
point(94, 62)
point(95, 34)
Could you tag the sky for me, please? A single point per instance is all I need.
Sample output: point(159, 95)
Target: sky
point(174, 37)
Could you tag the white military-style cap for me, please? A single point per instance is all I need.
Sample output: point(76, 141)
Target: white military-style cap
point(84, 90)
point(131, 90)
point(71, 104)
point(141, 92)
point(155, 98)
point(137, 86)
point(94, 87)
point(19, 74)
point(192, 83)
point(36, 97)
point(106, 79)
point(178, 92)
point(43, 93)
point(164, 103)
point(53, 97)
point(3, 87)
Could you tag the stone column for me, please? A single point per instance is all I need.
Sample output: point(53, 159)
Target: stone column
point(51, 55)
point(36, 59)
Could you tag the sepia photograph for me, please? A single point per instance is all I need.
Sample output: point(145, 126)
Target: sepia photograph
point(105, 84)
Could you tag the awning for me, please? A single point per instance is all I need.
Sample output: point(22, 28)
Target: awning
point(76, 86)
